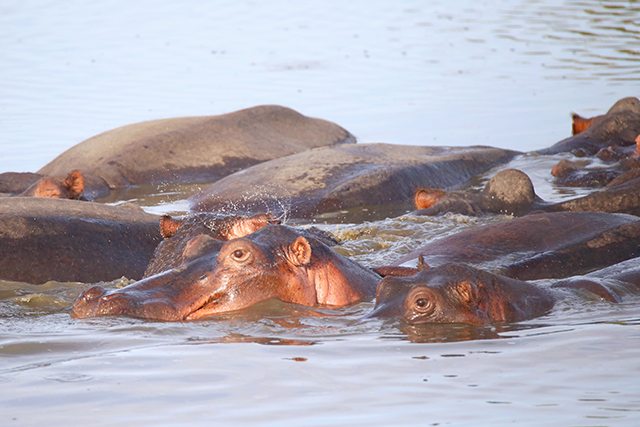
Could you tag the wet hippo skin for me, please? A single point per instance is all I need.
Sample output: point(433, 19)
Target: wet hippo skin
point(329, 179)
point(218, 276)
point(70, 240)
point(537, 246)
point(195, 149)
point(458, 293)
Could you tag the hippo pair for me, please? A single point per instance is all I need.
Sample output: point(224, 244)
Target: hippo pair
point(184, 150)
point(277, 261)
point(35, 233)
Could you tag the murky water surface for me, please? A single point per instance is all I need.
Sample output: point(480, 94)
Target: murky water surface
point(502, 73)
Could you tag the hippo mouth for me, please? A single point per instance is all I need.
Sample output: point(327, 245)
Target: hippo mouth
point(206, 307)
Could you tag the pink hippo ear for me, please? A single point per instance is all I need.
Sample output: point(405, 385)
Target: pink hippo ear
point(299, 252)
point(579, 124)
point(424, 198)
point(169, 226)
point(74, 183)
point(467, 293)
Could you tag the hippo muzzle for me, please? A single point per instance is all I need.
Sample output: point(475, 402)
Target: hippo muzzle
point(173, 295)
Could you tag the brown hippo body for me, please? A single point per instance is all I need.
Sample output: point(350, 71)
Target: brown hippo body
point(218, 276)
point(511, 192)
point(537, 246)
point(619, 127)
point(70, 240)
point(13, 183)
point(458, 293)
point(194, 149)
point(379, 177)
point(573, 173)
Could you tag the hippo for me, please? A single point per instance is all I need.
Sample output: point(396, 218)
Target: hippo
point(617, 128)
point(73, 185)
point(13, 183)
point(71, 240)
point(574, 173)
point(372, 179)
point(511, 192)
point(538, 246)
point(459, 293)
point(219, 276)
point(193, 149)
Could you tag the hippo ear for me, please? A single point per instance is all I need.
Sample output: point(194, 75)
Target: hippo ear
point(467, 293)
point(424, 198)
point(300, 252)
point(74, 182)
point(169, 226)
point(422, 265)
point(579, 124)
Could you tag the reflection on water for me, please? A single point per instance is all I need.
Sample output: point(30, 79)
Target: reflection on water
point(501, 73)
point(579, 40)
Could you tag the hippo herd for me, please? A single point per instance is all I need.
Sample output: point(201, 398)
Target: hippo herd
point(260, 165)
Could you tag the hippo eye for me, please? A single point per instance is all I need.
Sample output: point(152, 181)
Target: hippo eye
point(423, 305)
point(240, 255)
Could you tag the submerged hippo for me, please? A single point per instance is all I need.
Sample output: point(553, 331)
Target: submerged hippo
point(617, 128)
point(380, 177)
point(220, 276)
point(26, 184)
point(70, 240)
point(458, 293)
point(511, 192)
point(575, 173)
point(194, 149)
point(537, 246)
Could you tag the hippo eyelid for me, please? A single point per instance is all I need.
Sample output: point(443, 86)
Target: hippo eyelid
point(240, 255)
point(421, 302)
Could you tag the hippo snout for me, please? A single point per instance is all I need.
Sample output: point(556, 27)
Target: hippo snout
point(96, 301)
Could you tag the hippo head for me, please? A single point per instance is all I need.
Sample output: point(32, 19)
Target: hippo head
point(511, 190)
point(457, 293)
point(71, 187)
point(218, 276)
point(177, 232)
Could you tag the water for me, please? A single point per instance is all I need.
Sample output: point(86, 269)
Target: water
point(503, 73)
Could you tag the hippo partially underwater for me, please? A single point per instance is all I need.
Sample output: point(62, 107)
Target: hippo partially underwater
point(511, 192)
point(184, 150)
point(459, 293)
point(44, 239)
point(218, 276)
point(537, 246)
point(378, 177)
